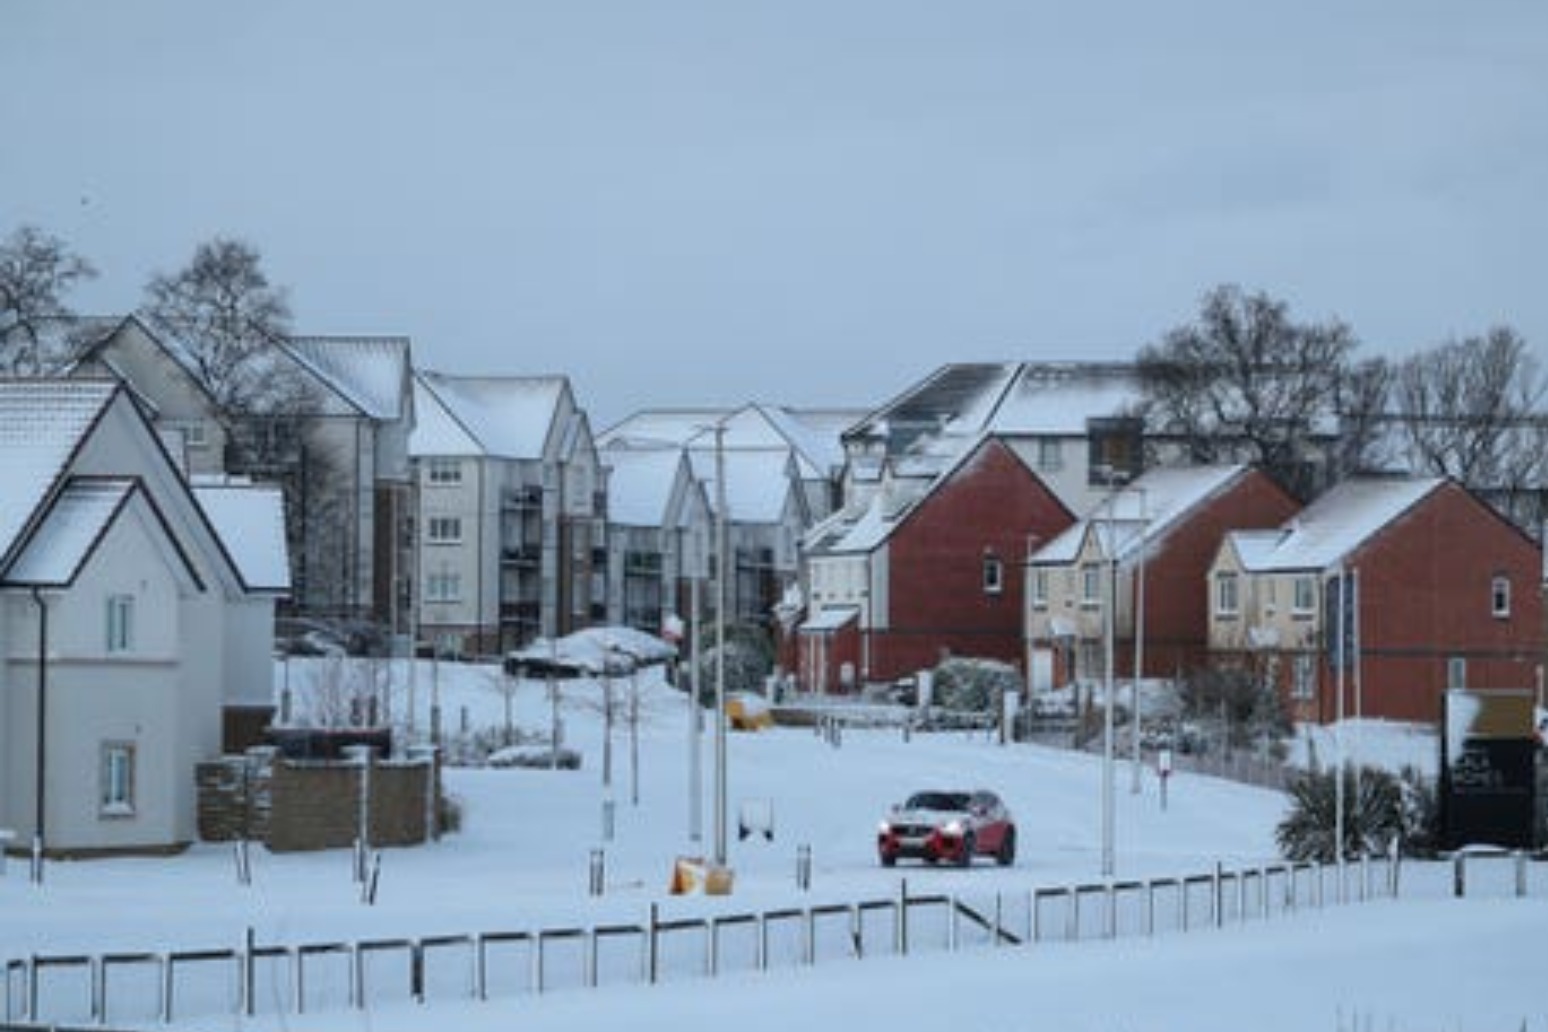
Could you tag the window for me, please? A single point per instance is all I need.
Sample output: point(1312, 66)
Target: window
point(117, 796)
point(445, 471)
point(1040, 589)
point(1227, 603)
point(1050, 454)
point(1499, 596)
point(1456, 672)
point(443, 587)
point(1304, 678)
point(120, 623)
point(1091, 585)
point(445, 530)
point(994, 575)
point(1305, 596)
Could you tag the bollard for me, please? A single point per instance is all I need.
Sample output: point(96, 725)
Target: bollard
point(1521, 873)
point(1459, 875)
point(598, 871)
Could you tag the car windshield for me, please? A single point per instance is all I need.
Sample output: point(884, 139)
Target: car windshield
point(937, 801)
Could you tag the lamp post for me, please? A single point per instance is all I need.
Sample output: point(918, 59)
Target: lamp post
point(720, 644)
point(1139, 650)
point(1109, 604)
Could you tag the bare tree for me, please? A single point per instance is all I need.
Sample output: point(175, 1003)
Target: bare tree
point(1245, 380)
point(1362, 403)
point(36, 272)
point(1468, 407)
point(1474, 409)
point(227, 319)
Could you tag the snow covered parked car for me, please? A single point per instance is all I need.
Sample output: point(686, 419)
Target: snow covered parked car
point(953, 826)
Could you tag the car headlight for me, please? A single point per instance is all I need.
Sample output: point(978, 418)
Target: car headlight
point(884, 828)
point(954, 829)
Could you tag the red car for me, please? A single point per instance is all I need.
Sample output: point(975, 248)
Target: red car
point(948, 826)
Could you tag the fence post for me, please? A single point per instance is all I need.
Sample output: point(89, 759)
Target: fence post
point(1150, 908)
point(651, 946)
point(809, 947)
point(1111, 894)
point(1219, 894)
point(953, 929)
point(1459, 875)
point(900, 925)
point(1521, 873)
point(1365, 877)
point(1394, 865)
point(1072, 916)
point(598, 871)
point(249, 974)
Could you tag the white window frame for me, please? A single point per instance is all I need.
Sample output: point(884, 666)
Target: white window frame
point(994, 575)
point(443, 586)
point(1050, 454)
point(1227, 595)
point(1304, 596)
point(1091, 586)
point(442, 470)
point(1303, 677)
point(443, 530)
point(115, 795)
point(1499, 596)
point(1040, 588)
point(119, 624)
point(1456, 672)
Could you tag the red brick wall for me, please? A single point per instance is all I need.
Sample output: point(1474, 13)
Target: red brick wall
point(1425, 596)
point(822, 658)
point(1176, 624)
point(937, 603)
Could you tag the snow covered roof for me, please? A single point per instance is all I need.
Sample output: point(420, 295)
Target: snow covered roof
point(1143, 512)
point(42, 423)
point(811, 437)
point(369, 372)
point(80, 515)
point(662, 426)
point(639, 484)
point(1336, 524)
point(829, 619)
point(250, 522)
point(758, 482)
point(968, 399)
point(506, 417)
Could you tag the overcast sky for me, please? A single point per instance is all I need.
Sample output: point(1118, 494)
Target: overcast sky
point(801, 201)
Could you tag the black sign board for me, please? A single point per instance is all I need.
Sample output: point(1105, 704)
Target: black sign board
point(1488, 769)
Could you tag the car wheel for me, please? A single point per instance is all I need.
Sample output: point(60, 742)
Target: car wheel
point(1006, 854)
point(889, 860)
point(969, 846)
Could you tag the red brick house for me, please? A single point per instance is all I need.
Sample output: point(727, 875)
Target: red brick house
point(1163, 530)
point(922, 567)
point(1438, 589)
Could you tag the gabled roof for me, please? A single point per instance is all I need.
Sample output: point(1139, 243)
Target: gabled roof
point(1337, 524)
point(640, 483)
point(42, 425)
point(506, 417)
point(758, 482)
point(70, 531)
point(965, 400)
point(250, 522)
point(810, 436)
point(1142, 513)
point(371, 373)
point(851, 532)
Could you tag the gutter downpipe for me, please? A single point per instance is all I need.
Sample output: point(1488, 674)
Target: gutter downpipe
point(42, 744)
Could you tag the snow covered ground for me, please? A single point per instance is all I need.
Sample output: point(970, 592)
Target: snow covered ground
point(522, 861)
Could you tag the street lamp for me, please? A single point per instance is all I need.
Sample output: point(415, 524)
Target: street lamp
point(720, 644)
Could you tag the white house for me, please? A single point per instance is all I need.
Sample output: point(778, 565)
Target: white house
point(125, 620)
point(510, 498)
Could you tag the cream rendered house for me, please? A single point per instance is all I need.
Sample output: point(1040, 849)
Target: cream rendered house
point(127, 623)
